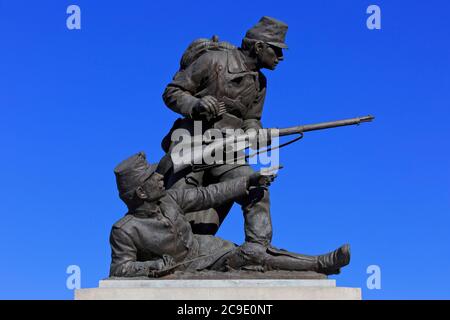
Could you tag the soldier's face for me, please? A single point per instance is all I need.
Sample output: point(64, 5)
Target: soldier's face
point(154, 187)
point(269, 56)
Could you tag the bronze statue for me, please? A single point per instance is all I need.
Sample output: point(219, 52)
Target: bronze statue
point(175, 211)
point(155, 238)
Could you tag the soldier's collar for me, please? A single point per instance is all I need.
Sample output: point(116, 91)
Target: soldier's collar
point(148, 209)
point(239, 62)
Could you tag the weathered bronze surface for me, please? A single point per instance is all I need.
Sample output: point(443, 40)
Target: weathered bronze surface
point(174, 212)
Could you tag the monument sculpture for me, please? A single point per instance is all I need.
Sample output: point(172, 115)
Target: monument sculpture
point(155, 238)
point(176, 207)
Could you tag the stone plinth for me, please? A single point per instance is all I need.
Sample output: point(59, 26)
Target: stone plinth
point(223, 289)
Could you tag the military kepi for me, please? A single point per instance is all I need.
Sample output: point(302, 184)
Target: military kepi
point(269, 30)
point(131, 173)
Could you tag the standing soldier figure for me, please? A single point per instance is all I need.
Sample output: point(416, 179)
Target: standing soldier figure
point(223, 77)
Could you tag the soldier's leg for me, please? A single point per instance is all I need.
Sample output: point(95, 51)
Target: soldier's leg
point(258, 257)
point(255, 205)
point(253, 254)
point(329, 263)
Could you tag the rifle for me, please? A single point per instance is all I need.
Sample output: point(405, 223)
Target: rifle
point(240, 142)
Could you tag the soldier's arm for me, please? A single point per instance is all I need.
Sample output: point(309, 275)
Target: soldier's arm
point(195, 199)
point(124, 254)
point(253, 117)
point(179, 95)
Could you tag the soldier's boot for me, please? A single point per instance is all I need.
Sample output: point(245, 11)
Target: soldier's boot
point(328, 264)
point(255, 204)
point(254, 256)
point(332, 262)
point(257, 257)
point(257, 219)
point(291, 262)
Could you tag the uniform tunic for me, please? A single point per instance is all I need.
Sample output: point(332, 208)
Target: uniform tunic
point(142, 237)
point(226, 75)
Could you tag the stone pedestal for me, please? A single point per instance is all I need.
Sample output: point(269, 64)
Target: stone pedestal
point(223, 289)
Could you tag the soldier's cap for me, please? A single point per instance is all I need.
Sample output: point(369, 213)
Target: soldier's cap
point(132, 172)
point(269, 30)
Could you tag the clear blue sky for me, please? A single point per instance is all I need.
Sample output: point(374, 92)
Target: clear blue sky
point(74, 103)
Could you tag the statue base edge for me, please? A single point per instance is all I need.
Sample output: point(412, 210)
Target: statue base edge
point(228, 289)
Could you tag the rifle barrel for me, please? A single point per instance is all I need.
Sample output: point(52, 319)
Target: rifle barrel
point(324, 125)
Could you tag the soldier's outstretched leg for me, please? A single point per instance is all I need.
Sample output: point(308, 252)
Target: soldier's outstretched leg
point(254, 255)
point(328, 264)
